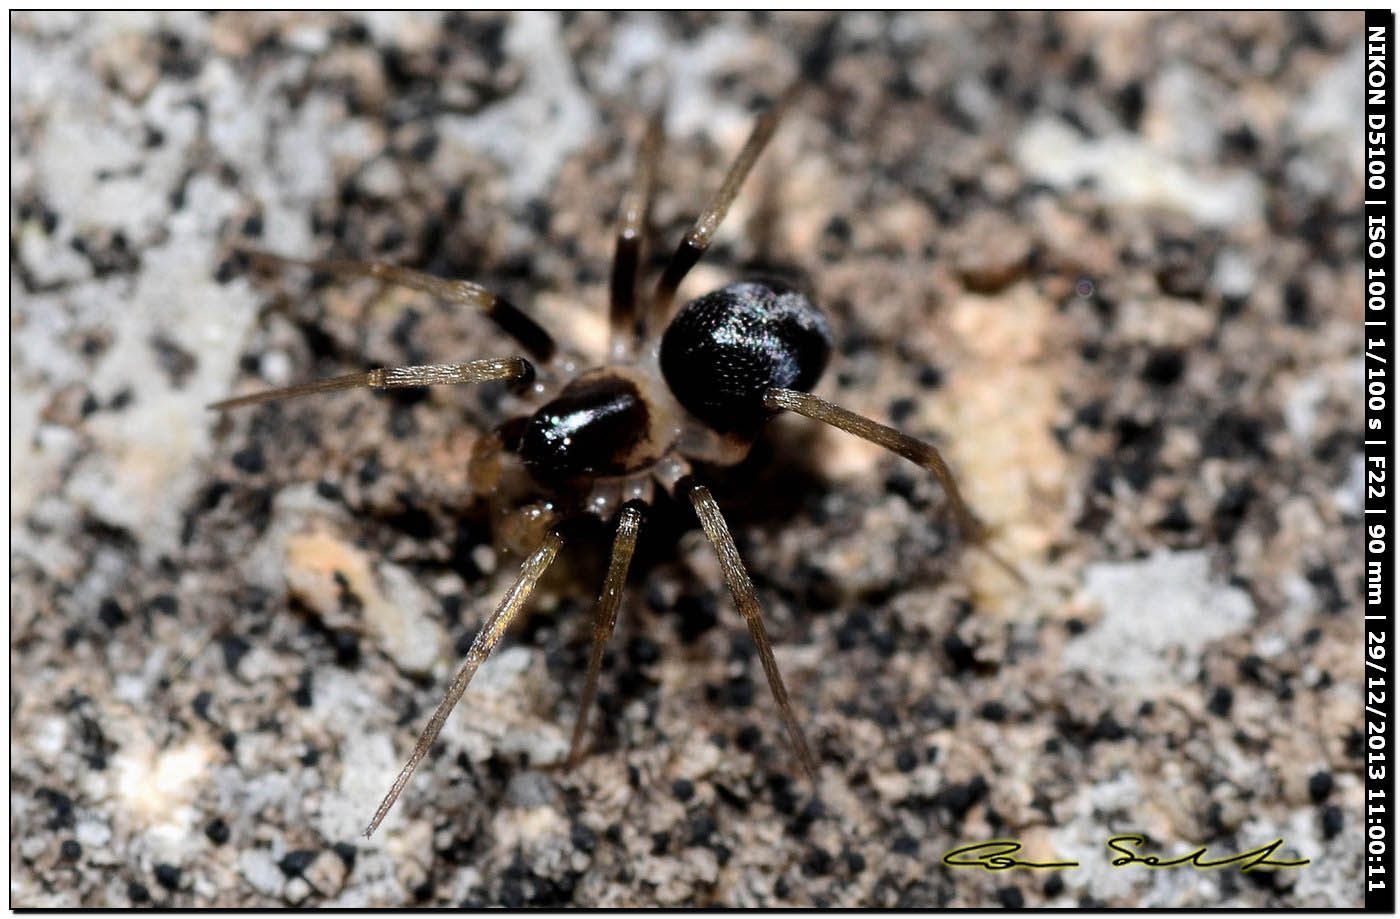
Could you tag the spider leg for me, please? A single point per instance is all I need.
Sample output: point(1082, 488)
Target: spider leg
point(636, 204)
point(538, 343)
point(491, 631)
point(511, 368)
point(915, 451)
point(609, 601)
point(698, 238)
point(712, 521)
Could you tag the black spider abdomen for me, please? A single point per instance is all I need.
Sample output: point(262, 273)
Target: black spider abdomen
point(724, 350)
point(594, 427)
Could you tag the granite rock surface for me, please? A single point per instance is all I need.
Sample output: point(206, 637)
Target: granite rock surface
point(1109, 263)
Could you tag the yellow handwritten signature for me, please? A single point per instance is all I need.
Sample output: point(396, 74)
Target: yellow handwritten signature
point(999, 855)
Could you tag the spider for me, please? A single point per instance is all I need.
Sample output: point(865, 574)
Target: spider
point(694, 384)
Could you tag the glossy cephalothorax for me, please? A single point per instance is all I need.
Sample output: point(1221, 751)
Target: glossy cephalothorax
point(698, 386)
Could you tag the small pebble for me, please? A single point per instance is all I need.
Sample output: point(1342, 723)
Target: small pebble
point(297, 890)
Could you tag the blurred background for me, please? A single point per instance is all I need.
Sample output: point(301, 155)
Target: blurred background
point(1109, 263)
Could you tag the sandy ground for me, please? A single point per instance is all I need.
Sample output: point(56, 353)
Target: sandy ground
point(1108, 263)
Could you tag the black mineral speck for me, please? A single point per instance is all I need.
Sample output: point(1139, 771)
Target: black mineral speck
point(1230, 510)
point(62, 805)
point(1295, 303)
point(111, 614)
point(347, 647)
point(1233, 435)
point(217, 830)
point(1090, 415)
point(296, 861)
point(168, 876)
point(1252, 667)
point(698, 614)
point(302, 694)
point(904, 844)
point(817, 862)
point(177, 362)
point(250, 460)
point(959, 653)
point(899, 482)
point(1011, 897)
point(642, 651)
point(166, 604)
point(70, 850)
point(233, 647)
point(702, 827)
point(1132, 101)
point(201, 704)
point(1164, 366)
point(424, 147)
point(228, 269)
point(370, 470)
point(346, 852)
point(960, 798)
point(137, 892)
point(583, 838)
point(1332, 821)
point(838, 230)
point(1319, 786)
point(1107, 728)
point(1176, 519)
point(683, 790)
point(1221, 700)
point(1084, 70)
point(402, 424)
point(452, 608)
point(749, 737)
point(738, 692)
point(1324, 583)
point(1240, 140)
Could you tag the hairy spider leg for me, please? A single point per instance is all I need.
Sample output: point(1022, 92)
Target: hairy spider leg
point(538, 343)
point(511, 368)
point(486, 639)
point(605, 619)
point(712, 521)
point(702, 232)
point(627, 256)
point(915, 451)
